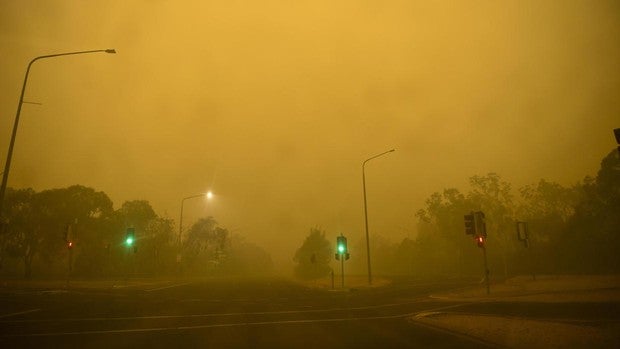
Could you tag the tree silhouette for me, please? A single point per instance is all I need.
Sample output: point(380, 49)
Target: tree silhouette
point(313, 256)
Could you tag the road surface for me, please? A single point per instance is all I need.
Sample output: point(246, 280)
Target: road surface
point(244, 313)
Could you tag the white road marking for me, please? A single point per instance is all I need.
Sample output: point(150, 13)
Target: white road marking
point(166, 287)
point(258, 323)
point(185, 328)
point(19, 313)
point(280, 312)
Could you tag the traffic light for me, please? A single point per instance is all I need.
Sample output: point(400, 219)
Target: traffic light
point(481, 225)
point(341, 248)
point(68, 237)
point(130, 237)
point(480, 240)
point(67, 230)
point(470, 224)
point(341, 244)
point(523, 233)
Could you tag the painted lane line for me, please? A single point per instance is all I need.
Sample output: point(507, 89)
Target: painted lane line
point(166, 287)
point(19, 313)
point(155, 317)
point(258, 323)
point(186, 328)
point(193, 316)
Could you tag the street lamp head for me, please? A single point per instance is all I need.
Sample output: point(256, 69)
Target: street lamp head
point(209, 195)
point(110, 50)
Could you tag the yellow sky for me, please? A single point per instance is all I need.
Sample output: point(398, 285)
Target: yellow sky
point(275, 104)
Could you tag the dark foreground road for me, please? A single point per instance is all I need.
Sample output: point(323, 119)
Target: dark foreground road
point(257, 313)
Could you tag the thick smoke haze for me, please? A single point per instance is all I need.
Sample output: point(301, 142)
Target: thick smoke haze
point(273, 105)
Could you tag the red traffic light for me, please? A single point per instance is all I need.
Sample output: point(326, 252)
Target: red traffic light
point(480, 240)
point(69, 244)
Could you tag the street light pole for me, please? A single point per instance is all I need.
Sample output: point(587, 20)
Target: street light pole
point(207, 195)
point(366, 211)
point(7, 165)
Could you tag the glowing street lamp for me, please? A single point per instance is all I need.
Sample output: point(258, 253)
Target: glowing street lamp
point(208, 195)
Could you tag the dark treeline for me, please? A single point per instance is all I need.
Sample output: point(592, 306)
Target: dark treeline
point(38, 226)
point(572, 230)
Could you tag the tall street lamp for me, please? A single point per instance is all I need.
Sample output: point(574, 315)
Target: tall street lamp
point(9, 155)
point(207, 195)
point(366, 211)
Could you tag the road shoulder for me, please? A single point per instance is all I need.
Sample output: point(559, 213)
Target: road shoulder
point(523, 332)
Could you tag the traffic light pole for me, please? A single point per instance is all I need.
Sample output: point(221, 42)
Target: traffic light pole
point(128, 263)
point(69, 266)
point(342, 254)
point(523, 234)
point(342, 269)
point(486, 269)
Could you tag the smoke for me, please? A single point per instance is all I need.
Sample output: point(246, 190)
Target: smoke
point(281, 102)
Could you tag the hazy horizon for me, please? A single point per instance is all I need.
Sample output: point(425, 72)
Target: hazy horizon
point(274, 107)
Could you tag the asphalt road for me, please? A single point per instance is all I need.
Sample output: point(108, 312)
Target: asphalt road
point(240, 313)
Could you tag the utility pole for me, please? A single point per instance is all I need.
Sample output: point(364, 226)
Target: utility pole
point(366, 211)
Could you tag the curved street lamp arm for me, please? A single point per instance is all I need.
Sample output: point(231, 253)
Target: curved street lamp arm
point(376, 156)
point(193, 196)
point(181, 215)
point(7, 164)
point(109, 50)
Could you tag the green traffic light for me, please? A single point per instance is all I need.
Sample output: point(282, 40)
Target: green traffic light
point(129, 236)
point(341, 244)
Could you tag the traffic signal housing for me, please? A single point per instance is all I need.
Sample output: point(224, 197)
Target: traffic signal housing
point(470, 224)
point(481, 225)
point(475, 224)
point(130, 237)
point(341, 244)
point(523, 233)
point(341, 248)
